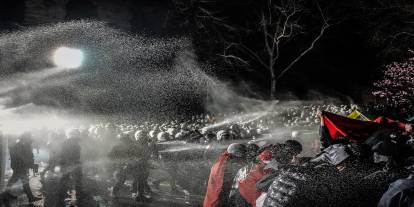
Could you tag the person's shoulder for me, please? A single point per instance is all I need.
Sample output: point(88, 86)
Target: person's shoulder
point(299, 171)
point(406, 183)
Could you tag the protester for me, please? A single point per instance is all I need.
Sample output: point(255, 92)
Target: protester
point(356, 158)
point(400, 193)
point(251, 160)
point(248, 193)
point(222, 174)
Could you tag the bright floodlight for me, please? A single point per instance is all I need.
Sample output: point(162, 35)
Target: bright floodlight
point(68, 57)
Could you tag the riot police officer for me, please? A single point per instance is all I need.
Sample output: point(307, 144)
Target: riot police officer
point(21, 156)
point(70, 167)
point(124, 155)
point(142, 165)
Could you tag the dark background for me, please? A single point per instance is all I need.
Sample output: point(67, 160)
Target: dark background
point(364, 36)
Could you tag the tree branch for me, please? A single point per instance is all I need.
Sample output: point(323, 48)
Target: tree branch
point(265, 34)
point(235, 58)
point(246, 50)
point(324, 27)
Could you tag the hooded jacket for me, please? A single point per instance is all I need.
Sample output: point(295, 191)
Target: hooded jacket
point(400, 193)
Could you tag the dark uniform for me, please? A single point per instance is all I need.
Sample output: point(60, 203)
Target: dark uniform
point(394, 146)
point(322, 184)
point(54, 146)
point(298, 186)
point(71, 168)
point(140, 170)
point(130, 160)
point(21, 156)
point(400, 193)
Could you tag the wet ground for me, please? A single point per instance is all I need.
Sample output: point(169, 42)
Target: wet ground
point(99, 194)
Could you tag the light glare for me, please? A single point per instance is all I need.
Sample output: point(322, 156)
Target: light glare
point(68, 57)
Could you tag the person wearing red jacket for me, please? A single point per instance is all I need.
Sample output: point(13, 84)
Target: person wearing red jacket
point(222, 174)
point(247, 186)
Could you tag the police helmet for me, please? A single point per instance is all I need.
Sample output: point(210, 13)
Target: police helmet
point(162, 136)
point(237, 150)
point(223, 135)
point(141, 136)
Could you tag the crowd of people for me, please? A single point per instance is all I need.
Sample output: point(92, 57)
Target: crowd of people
point(269, 173)
point(306, 115)
point(350, 170)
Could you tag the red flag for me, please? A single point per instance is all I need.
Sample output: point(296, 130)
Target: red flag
point(356, 130)
point(215, 181)
point(247, 187)
point(390, 122)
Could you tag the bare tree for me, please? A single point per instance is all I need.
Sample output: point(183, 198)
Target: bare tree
point(279, 24)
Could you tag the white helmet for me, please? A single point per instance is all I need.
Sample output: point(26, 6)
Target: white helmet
point(237, 150)
point(130, 134)
point(141, 136)
point(162, 136)
point(180, 134)
point(152, 133)
point(171, 131)
point(223, 135)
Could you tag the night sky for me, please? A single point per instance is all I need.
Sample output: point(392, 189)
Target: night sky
point(344, 62)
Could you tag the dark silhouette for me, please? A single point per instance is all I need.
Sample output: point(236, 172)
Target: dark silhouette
point(21, 156)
